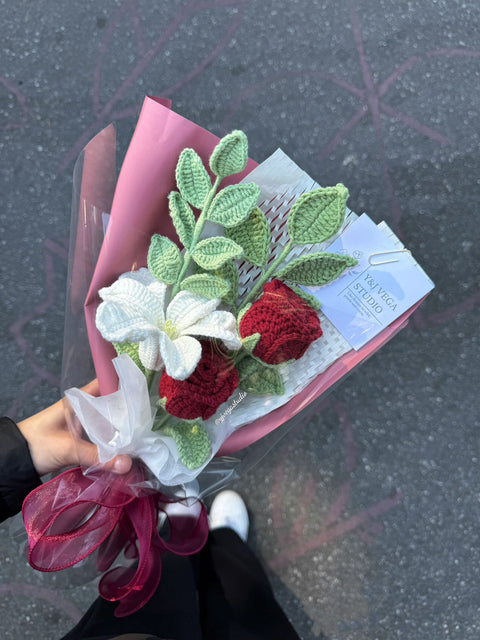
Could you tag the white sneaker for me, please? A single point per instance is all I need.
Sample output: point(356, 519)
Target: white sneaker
point(229, 510)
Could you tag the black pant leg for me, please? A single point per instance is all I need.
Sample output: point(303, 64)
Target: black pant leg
point(171, 613)
point(236, 599)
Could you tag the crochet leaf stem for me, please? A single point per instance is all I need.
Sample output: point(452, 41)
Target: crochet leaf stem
point(160, 422)
point(240, 355)
point(268, 273)
point(150, 376)
point(198, 230)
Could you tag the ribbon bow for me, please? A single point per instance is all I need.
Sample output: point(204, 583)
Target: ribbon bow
point(71, 516)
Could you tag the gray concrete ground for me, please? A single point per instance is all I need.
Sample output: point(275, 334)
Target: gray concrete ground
point(367, 516)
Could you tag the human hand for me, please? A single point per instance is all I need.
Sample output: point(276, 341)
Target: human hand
point(52, 446)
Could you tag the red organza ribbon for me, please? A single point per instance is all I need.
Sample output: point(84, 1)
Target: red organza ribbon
point(71, 516)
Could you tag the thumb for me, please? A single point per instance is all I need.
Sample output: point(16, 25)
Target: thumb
point(87, 456)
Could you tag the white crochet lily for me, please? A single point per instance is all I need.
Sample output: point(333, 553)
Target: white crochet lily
point(133, 310)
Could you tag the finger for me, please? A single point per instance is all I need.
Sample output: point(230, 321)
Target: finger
point(92, 388)
point(87, 456)
point(120, 464)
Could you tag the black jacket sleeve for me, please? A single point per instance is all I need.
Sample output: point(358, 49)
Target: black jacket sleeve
point(17, 474)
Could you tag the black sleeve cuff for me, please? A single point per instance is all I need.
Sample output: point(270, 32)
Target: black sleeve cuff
point(17, 474)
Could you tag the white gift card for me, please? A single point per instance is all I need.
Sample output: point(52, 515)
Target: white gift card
point(370, 296)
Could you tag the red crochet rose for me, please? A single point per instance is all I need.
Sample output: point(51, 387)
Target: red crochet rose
point(212, 383)
point(286, 323)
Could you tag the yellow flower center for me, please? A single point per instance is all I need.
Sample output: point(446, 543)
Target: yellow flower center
point(170, 330)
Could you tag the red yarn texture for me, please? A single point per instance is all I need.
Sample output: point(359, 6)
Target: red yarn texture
point(286, 323)
point(199, 396)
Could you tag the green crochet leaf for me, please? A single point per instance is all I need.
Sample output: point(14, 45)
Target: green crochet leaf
point(230, 155)
point(317, 215)
point(250, 342)
point(206, 285)
point(255, 377)
point(192, 178)
point(316, 269)
point(242, 312)
point(311, 300)
point(253, 236)
point(182, 217)
point(212, 253)
point(229, 273)
point(232, 205)
point(161, 402)
point(164, 260)
point(192, 440)
point(131, 349)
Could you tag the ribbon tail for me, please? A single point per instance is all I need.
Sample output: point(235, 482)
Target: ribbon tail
point(134, 586)
point(122, 538)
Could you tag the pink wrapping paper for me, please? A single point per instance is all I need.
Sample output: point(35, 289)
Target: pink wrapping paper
point(140, 209)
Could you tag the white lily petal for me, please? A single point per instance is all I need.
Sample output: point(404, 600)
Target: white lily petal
point(118, 324)
point(219, 324)
point(158, 289)
point(180, 356)
point(187, 308)
point(149, 352)
point(135, 298)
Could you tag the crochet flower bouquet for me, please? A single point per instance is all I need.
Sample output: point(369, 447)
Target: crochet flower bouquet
point(202, 332)
point(183, 328)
